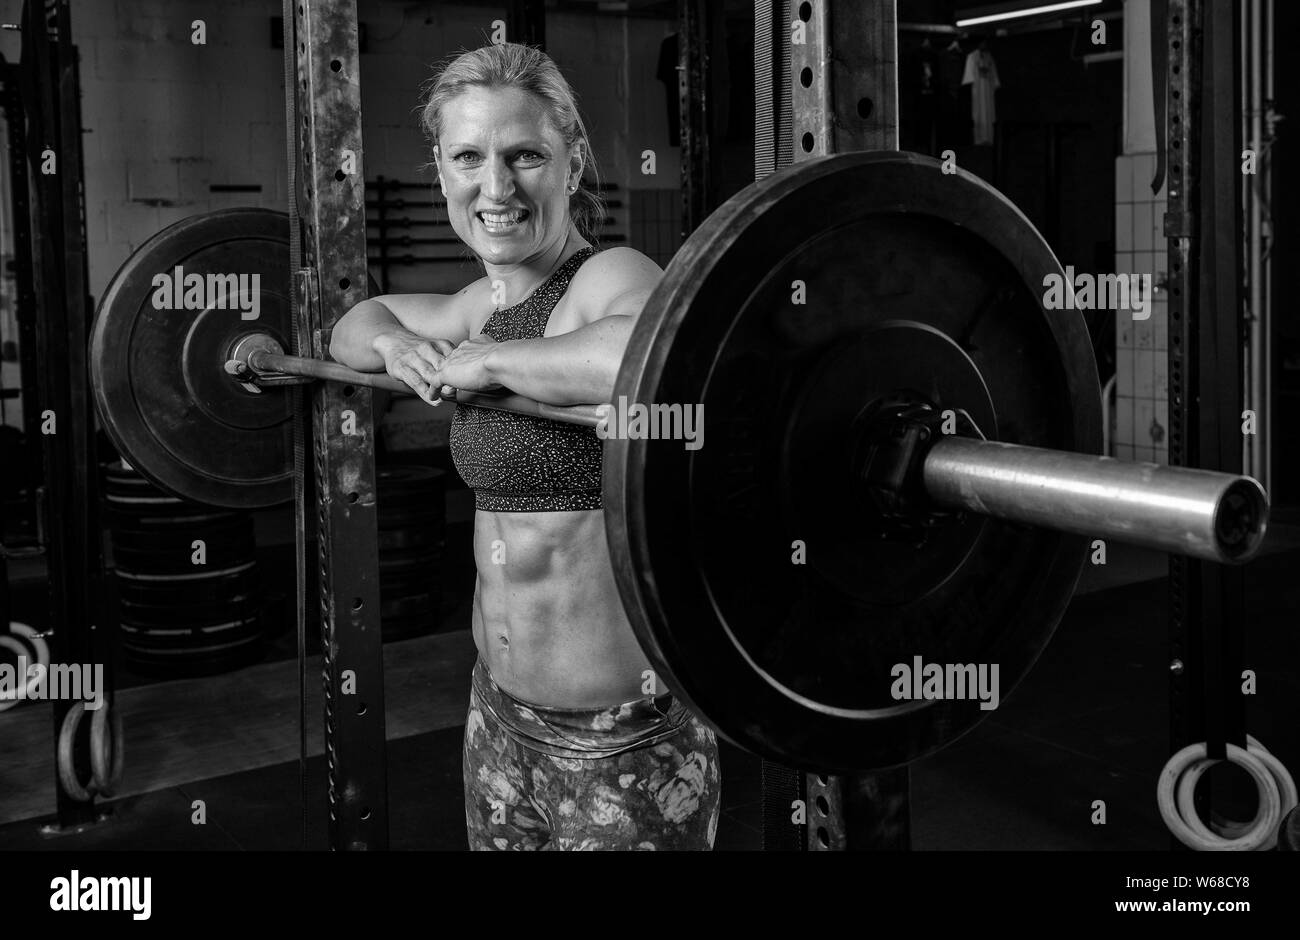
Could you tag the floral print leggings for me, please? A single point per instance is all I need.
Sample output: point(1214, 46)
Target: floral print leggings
point(642, 775)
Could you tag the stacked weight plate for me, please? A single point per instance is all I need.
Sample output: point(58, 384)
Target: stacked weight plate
point(412, 536)
point(178, 617)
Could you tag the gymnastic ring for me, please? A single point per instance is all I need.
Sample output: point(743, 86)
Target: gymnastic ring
point(1234, 829)
point(1229, 829)
point(1232, 835)
point(1185, 768)
point(66, 764)
point(1220, 834)
point(106, 736)
point(19, 640)
point(1264, 824)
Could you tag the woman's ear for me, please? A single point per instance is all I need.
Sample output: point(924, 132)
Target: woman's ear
point(577, 162)
point(437, 165)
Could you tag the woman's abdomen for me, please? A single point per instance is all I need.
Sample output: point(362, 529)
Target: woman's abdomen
point(548, 619)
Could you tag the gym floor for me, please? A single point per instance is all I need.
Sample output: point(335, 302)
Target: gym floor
point(1089, 723)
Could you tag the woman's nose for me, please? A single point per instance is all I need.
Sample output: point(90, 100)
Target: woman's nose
point(496, 181)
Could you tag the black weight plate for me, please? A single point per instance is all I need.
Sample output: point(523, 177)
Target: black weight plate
point(158, 374)
point(141, 535)
point(218, 556)
point(172, 664)
point(794, 661)
point(150, 501)
point(156, 524)
point(187, 588)
point(194, 578)
point(193, 637)
point(191, 615)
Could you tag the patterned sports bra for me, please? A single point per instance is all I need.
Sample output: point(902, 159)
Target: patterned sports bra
point(521, 463)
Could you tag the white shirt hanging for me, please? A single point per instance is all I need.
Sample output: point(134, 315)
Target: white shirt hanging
point(981, 74)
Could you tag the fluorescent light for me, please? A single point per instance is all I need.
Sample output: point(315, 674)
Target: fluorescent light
point(1026, 11)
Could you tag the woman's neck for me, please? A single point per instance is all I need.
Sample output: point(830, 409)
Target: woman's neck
point(512, 283)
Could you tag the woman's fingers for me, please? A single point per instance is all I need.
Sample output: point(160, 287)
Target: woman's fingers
point(429, 352)
point(418, 366)
point(417, 382)
point(427, 370)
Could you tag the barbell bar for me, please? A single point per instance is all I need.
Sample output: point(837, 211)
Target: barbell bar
point(257, 358)
point(1203, 514)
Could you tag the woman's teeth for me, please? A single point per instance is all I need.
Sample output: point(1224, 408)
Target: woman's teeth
point(502, 221)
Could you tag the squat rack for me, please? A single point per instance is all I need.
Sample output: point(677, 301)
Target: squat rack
point(836, 91)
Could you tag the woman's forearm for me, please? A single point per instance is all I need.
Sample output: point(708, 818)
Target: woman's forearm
point(576, 368)
point(353, 339)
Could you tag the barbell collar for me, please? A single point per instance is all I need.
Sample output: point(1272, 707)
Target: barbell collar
point(265, 360)
point(1204, 514)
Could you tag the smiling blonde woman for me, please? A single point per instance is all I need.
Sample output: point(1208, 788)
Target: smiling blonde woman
point(570, 741)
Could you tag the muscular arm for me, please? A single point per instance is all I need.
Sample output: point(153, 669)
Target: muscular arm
point(360, 334)
point(570, 369)
point(579, 367)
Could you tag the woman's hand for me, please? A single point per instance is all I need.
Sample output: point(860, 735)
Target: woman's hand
point(466, 366)
point(414, 360)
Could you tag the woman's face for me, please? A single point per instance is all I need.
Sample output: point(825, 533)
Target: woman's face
point(506, 173)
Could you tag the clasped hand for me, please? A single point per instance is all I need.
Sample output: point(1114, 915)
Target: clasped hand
point(434, 368)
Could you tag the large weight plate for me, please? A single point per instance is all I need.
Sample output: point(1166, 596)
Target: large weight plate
point(912, 277)
point(159, 382)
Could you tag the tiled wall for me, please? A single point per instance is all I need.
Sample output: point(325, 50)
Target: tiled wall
point(655, 223)
point(1140, 420)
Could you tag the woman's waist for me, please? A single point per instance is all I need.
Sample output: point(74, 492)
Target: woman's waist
point(579, 732)
point(582, 662)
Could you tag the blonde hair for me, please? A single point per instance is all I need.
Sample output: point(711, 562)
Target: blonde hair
point(514, 65)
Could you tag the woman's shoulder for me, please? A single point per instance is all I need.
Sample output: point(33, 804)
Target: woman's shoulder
point(612, 273)
point(618, 259)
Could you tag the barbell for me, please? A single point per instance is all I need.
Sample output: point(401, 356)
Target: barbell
point(900, 467)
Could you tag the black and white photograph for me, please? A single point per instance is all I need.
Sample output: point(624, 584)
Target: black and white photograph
point(733, 426)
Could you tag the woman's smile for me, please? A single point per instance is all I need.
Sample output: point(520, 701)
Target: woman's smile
point(503, 222)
